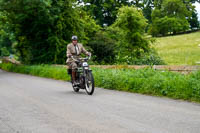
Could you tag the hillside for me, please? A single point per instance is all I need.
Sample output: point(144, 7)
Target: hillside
point(180, 49)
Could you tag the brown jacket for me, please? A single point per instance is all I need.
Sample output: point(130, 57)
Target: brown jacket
point(71, 51)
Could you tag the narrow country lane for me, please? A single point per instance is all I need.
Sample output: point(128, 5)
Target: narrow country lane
point(31, 104)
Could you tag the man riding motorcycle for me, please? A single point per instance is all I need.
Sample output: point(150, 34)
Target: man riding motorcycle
point(74, 49)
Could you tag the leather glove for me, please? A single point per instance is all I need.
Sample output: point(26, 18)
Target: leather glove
point(69, 56)
point(89, 54)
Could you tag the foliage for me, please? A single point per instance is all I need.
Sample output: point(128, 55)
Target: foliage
point(194, 23)
point(43, 28)
point(168, 25)
point(88, 27)
point(150, 58)
point(131, 25)
point(148, 81)
point(169, 17)
point(103, 48)
point(193, 19)
point(104, 11)
point(4, 52)
point(145, 81)
point(147, 9)
point(6, 36)
point(38, 30)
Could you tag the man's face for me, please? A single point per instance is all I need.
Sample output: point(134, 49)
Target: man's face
point(74, 42)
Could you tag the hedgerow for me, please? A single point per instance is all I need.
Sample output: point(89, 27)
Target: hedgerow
point(144, 81)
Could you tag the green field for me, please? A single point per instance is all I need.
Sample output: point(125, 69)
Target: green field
point(180, 49)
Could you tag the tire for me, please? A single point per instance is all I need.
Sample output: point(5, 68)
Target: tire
point(89, 83)
point(75, 88)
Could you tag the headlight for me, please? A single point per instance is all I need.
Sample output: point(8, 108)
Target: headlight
point(85, 64)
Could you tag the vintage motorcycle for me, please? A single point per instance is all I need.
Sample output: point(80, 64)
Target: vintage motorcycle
point(84, 76)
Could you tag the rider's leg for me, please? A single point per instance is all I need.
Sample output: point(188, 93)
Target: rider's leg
point(73, 75)
point(74, 67)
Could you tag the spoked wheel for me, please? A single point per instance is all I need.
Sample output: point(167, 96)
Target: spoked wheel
point(75, 88)
point(89, 83)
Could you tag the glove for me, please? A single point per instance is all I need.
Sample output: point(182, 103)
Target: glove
point(69, 56)
point(89, 54)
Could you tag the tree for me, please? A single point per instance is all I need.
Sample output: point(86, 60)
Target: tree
point(169, 17)
point(132, 24)
point(104, 11)
point(88, 26)
point(43, 28)
point(103, 48)
point(194, 23)
point(6, 36)
point(147, 9)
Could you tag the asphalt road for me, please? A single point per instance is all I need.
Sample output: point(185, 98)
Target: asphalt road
point(31, 104)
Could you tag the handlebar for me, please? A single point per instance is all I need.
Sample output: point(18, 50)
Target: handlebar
point(81, 59)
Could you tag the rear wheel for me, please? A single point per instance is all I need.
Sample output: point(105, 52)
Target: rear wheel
point(75, 88)
point(89, 83)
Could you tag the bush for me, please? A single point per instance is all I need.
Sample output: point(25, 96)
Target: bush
point(149, 58)
point(133, 46)
point(132, 24)
point(148, 81)
point(103, 48)
point(4, 52)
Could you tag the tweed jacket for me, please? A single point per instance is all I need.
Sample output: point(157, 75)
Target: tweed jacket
point(72, 51)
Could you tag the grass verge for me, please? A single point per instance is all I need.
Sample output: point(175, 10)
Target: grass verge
point(58, 73)
point(144, 81)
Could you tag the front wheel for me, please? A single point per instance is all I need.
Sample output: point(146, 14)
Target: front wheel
point(89, 83)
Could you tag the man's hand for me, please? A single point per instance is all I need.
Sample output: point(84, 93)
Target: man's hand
point(69, 56)
point(89, 54)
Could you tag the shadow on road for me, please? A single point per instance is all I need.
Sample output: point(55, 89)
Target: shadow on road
point(81, 92)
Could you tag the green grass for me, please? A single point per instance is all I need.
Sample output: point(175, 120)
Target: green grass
point(180, 49)
point(144, 81)
point(47, 71)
